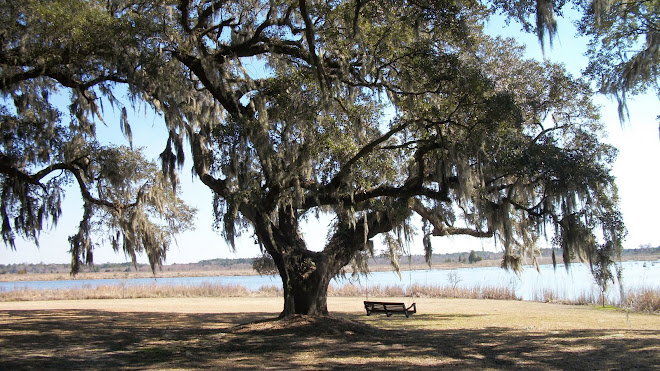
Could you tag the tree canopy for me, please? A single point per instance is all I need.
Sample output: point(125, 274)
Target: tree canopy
point(624, 47)
point(51, 51)
point(624, 52)
point(371, 111)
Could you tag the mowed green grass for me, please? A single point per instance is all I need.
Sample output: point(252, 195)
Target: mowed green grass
point(240, 333)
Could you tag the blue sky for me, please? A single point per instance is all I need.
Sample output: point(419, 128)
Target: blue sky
point(636, 171)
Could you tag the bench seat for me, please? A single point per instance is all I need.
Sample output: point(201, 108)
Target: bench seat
point(389, 307)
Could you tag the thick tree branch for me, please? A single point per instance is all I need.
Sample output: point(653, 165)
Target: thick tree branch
point(87, 196)
point(309, 35)
point(7, 167)
point(217, 185)
point(65, 79)
point(14, 79)
point(441, 229)
point(224, 98)
point(206, 14)
point(408, 190)
point(350, 238)
point(364, 151)
point(35, 179)
point(184, 21)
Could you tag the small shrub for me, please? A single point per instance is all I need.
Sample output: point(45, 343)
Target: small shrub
point(474, 258)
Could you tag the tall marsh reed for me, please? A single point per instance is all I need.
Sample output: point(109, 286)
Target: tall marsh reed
point(427, 291)
point(644, 299)
point(552, 296)
point(125, 291)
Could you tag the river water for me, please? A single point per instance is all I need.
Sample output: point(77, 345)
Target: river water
point(529, 285)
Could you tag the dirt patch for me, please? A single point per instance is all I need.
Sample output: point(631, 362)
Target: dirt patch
point(240, 333)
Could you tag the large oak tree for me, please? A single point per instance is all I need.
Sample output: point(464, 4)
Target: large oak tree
point(371, 111)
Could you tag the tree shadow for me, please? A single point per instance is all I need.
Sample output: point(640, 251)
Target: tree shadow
point(76, 339)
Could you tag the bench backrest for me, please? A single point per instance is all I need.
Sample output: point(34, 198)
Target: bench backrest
point(385, 306)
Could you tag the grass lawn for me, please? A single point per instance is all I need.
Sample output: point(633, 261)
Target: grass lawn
point(189, 333)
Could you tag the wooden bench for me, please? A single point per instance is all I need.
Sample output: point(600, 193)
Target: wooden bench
point(389, 308)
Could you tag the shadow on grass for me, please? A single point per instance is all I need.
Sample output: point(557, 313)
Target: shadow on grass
point(74, 339)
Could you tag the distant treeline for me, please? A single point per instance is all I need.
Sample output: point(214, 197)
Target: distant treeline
point(225, 262)
point(219, 263)
point(458, 257)
point(125, 267)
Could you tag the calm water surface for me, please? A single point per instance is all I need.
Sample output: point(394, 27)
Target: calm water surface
point(571, 283)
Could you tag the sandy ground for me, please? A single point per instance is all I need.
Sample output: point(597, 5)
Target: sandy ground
point(239, 333)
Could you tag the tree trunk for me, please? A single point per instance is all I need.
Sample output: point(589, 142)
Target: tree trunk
point(305, 286)
point(306, 274)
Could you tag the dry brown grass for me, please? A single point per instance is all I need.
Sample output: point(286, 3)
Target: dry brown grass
point(222, 290)
point(552, 296)
point(427, 291)
point(238, 333)
point(645, 300)
point(138, 291)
